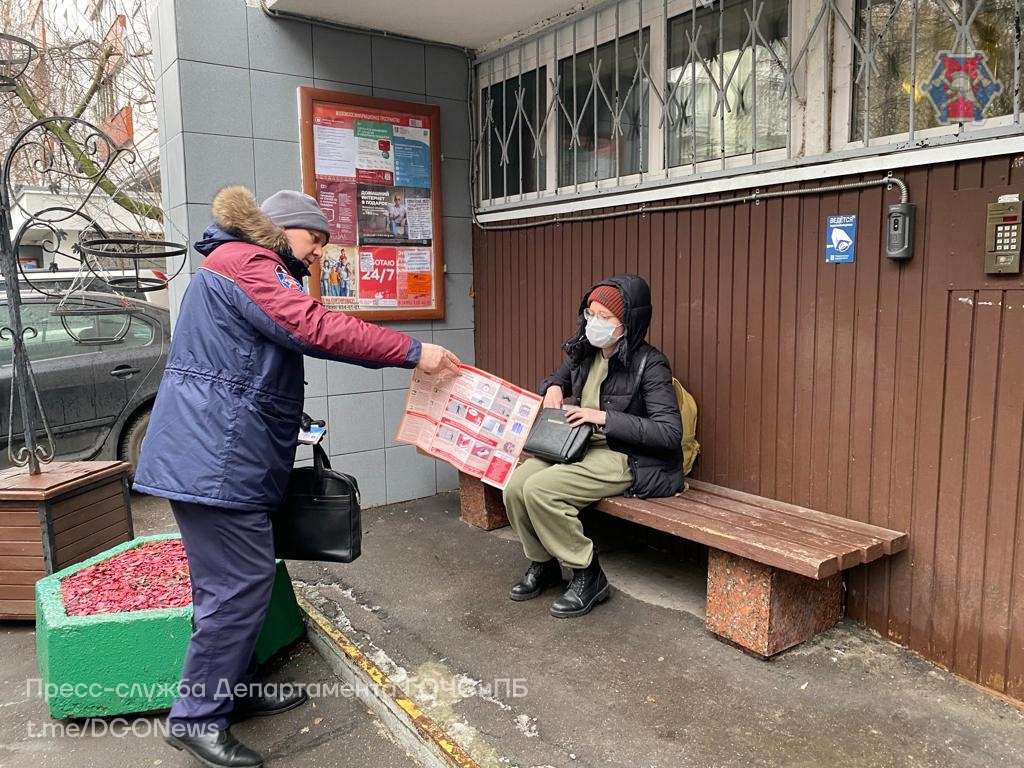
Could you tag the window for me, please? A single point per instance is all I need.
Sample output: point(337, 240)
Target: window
point(513, 136)
point(603, 123)
point(726, 81)
point(52, 339)
point(897, 57)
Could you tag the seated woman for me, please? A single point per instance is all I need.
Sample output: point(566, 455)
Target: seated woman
point(635, 449)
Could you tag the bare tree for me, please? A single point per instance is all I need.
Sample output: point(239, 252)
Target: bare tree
point(93, 62)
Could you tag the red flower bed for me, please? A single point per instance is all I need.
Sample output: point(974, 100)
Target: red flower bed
point(154, 575)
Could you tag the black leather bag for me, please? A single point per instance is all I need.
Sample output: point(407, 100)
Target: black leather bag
point(320, 517)
point(554, 439)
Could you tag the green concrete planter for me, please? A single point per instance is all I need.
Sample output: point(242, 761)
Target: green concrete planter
point(120, 663)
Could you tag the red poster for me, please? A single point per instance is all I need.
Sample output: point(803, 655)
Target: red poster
point(378, 276)
point(338, 201)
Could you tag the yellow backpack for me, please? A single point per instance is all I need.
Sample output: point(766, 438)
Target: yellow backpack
point(688, 410)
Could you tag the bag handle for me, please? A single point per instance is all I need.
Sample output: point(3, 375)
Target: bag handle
point(320, 460)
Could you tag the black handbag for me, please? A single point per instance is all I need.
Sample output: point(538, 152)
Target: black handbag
point(554, 439)
point(319, 518)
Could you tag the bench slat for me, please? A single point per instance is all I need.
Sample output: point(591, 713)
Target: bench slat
point(892, 541)
point(852, 548)
point(697, 522)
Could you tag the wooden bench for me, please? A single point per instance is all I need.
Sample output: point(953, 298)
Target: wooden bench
point(774, 569)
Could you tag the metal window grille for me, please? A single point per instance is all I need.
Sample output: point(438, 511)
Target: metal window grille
point(635, 92)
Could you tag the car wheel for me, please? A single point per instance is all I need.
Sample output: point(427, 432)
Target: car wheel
point(131, 441)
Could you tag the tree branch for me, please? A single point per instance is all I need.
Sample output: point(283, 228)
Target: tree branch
point(89, 168)
point(94, 86)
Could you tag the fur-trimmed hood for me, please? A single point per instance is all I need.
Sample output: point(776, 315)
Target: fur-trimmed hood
point(237, 216)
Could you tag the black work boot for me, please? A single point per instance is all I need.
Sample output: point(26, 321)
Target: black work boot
point(587, 588)
point(219, 749)
point(538, 577)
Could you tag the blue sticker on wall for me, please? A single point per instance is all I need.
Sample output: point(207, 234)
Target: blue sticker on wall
point(840, 238)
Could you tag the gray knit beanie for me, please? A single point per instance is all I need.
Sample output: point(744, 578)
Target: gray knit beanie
point(293, 210)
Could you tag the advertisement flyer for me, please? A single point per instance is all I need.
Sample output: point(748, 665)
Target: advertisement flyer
point(476, 422)
point(339, 277)
point(378, 276)
point(373, 179)
point(394, 215)
point(337, 199)
point(412, 157)
point(375, 156)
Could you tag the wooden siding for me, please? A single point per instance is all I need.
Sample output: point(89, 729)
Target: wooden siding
point(891, 393)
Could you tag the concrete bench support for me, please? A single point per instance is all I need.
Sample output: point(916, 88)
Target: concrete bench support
point(766, 610)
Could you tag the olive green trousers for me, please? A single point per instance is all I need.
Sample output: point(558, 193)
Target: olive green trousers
point(543, 502)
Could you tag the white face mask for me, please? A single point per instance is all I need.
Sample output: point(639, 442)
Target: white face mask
point(601, 333)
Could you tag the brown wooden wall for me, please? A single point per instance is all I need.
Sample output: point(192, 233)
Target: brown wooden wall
point(885, 392)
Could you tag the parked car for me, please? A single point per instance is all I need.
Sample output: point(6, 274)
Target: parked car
point(97, 396)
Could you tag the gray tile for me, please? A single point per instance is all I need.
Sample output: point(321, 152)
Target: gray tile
point(279, 45)
point(454, 128)
point(214, 162)
point(459, 342)
point(408, 326)
point(394, 410)
point(388, 93)
point(169, 112)
point(212, 31)
point(278, 166)
point(458, 303)
point(447, 73)
point(398, 65)
point(458, 245)
point(173, 179)
point(199, 218)
point(369, 470)
point(275, 105)
point(399, 378)
point(355, 422)
point(409, 474)
point(316, 381)
point(447, 477)
point(455, 188)
point(347, 379)
point(165, 34)
point(341, 56)
point(332, 85)
point(154, 31)
point(215, 99)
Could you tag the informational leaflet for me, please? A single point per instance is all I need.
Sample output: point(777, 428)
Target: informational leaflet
point(476, 422)
point(373, 173)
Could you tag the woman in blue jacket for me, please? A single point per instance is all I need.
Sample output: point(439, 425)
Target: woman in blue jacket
point(221, 441)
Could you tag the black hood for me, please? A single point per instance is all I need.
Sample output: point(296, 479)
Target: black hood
point(636, 294)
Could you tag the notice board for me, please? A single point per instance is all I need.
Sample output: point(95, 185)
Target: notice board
point(374, 166)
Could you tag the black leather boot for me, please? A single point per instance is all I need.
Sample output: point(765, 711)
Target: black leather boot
point(587, 588)
point(219, 749)
point(538, 577)
point(273, 700)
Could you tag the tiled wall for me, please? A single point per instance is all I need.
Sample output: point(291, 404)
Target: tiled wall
point(228, 114)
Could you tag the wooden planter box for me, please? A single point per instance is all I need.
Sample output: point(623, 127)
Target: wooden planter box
point(70, 512)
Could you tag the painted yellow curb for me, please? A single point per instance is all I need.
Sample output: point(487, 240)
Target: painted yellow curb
point(425, 726)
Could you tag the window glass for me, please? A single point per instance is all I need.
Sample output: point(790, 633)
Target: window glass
point(726, 84)
point(887, 32)
point(519, 167)
point(52, 339)
point(597, 149)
